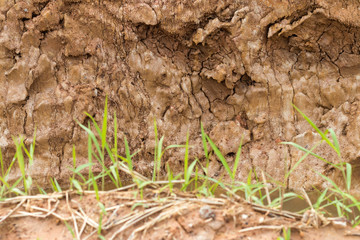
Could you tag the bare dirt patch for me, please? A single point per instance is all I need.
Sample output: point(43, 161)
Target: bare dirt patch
point(156, 216)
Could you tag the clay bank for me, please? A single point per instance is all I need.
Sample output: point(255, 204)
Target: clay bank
point(235, 66)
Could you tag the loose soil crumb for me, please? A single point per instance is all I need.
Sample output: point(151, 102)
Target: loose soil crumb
point(156, 216)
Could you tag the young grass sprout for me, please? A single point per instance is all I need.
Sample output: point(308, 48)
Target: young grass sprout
point(195, 174)
point(345, 203)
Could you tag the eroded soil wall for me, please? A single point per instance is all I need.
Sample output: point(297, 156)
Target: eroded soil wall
point(236, 66)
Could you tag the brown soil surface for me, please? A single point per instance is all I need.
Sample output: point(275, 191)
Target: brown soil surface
point(236, 66)
point(156, 216)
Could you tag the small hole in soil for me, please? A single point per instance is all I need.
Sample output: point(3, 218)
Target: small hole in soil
point(230, 154)
point(247, 80)
point(34, 15)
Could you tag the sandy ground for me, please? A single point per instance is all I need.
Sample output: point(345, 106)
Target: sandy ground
point(156, 216)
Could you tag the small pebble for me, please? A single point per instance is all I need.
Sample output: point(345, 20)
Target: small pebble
point(339, 223)
point(206, 212)
point(244, 216)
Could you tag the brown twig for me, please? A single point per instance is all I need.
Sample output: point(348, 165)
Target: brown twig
point(261, 227)
point(266, 188)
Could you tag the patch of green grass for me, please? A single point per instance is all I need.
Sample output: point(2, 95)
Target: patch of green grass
point(286, 234)
point(195, 175)
point(55, 185)
point(345, 203)
point(206, 139)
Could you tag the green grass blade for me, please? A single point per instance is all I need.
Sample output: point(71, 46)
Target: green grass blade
point(213, 188)
point(237, 159)
point(320, 199)
point(5, 183)
point(115, 136)
point(74, 156)
point(310, 152)
point(28, 184)
point(144, 184)
point(97, 128)
point(83, 166)
point(92, 136)
point(116, 180)
point(97, 177)
point(302, 158)
point(17, 182)
point(30, 153)
point(21, 161)
point(189, 172)
point(175, 146)
point(96, 189)
point(10, 167)
point(33, 145)
point(41, 191)
point(357, 222)
point(335, 141)
point(323, 136)
point(132, 155)
point(343, 206)
point(203, 137)
point(104, 125)
point(115, 174)
point(186, 157)
point(220, 156)
point(305, 150)
point(336, 187)
point(74, 165)
point(217, 182)
point(128, 155)
point(76, 184)
point(70, 230)
point(206, 152)
point(115, 157)
point(18, 191)
point(196, 177)
point(27, 153)
point(348, 176)
point(170, 177)
point(1, 164)
point(155, 150)
point(90, 154)
point(159, 155)
point(286, 197)
point(57, 185)
point(249, 178)
point(100, 227)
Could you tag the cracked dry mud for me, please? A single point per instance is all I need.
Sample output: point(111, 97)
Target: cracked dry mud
point(236, 66)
